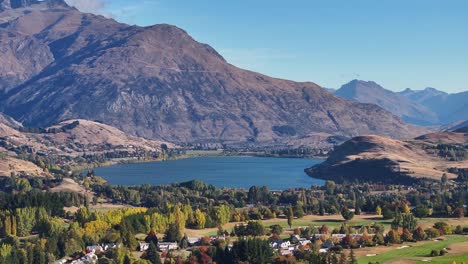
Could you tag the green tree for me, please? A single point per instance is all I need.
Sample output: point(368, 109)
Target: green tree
point(276, 229)
point(421, 211)
point(222, 214)
point(173, 233)
point(152, 254)
point(254, 250)
point(347, 214)
point(290, 216)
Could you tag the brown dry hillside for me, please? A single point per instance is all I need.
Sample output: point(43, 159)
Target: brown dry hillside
point(75, 137)
point(377, 158)
point(9, 165)
point(158, 82)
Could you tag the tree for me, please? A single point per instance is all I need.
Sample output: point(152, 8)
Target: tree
point(290, 216)
point(352, 257)
point(255, 228)
point(152, 254)
point(299, 210)
point(347, 214)
point(152, 238)
point(459, 212)
point(421, 211)
point(388, 214)
point(330, 187)
point(393, 237)
point(252, 251)
point(406, 235)
point(223, 214)
point(200, 219)
point(419, 234)
point(409, 221)
point(406, 209)
point(39, 256)
point(378, 210)
point(276, 229)
point(173, 233)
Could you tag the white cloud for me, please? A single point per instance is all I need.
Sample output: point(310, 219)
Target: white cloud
point(90, 6)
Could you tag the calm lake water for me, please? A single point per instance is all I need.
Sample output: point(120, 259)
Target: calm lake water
point(238, 172)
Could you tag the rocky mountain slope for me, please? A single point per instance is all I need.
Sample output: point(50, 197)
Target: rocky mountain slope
point(158, 82)
point(372, 93)
point(381, 159)
point(71, 138)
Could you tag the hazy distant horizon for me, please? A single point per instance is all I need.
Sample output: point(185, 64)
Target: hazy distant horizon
point(398, 44)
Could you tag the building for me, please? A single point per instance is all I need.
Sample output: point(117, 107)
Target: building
point(144, 246)
point(166, 246)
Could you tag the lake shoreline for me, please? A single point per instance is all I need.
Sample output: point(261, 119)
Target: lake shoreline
point(221, 171)
point(204, 153)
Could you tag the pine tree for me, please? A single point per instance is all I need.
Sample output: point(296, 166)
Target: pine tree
point(13, 226)
point(290, 216)
point(152, 254)
point(39, 256)
point(8, 225)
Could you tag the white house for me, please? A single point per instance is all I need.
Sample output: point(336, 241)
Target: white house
point(165, 246)
point(285, 244)
point(144, 246)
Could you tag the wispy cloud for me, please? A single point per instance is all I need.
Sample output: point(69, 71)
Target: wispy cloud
point(90, 6)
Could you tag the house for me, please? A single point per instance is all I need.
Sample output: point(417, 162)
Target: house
point(339, 236)
point(61, 261)
point(144, 246)
point(110, 246)
point(193, 241)
point(295, 239)
point(166, 246)
point(285, 252)
point(87, 259)
point(276, 244)
point(285, 244)
point(94, 249)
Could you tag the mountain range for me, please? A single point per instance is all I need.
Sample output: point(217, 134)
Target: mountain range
point(158, 82)
point(428, 107)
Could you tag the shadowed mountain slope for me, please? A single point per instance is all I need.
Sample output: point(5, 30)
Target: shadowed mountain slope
point(158, 82)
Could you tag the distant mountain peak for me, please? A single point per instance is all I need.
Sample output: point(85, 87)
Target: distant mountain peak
point(158, 82)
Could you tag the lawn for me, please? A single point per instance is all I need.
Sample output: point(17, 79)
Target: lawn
point(449, 259)
point(332, 221)
point(418, 252)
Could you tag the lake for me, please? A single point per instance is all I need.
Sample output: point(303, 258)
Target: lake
point(236, 172)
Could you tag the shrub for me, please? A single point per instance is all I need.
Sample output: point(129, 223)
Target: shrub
point(432, 232)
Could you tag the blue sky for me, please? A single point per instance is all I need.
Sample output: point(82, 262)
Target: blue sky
point(398, 43)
